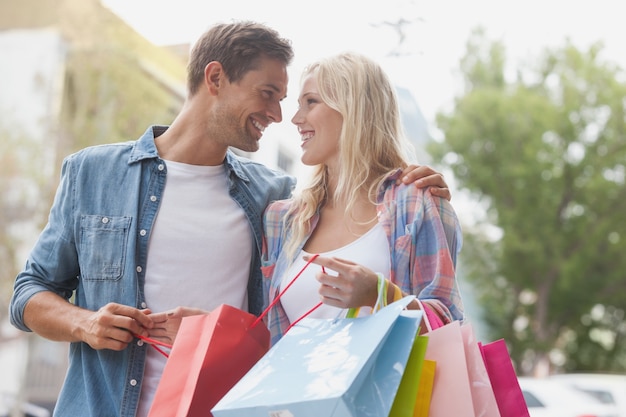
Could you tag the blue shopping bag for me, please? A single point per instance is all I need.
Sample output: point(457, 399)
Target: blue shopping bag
point(329, 367)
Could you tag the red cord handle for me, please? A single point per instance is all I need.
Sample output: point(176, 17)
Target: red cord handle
point(156, 343)
point(303, 316)
point(275, 300)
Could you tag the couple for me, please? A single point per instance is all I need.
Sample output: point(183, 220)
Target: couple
point(161, 233)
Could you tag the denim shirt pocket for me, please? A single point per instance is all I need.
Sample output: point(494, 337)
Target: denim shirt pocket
point(102, 247)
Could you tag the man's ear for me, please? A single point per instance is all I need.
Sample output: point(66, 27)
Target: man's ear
point(213, 76)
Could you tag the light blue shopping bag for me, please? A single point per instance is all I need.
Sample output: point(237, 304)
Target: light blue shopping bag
point(329, 368)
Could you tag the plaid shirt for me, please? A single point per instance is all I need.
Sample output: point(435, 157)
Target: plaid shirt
point(424, 239)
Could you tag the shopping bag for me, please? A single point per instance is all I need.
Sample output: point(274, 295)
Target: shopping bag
point(425, 389)
point(483, 396)
point(452, 395)
point(404, 402)
point(329, 367)
point(506, 388)
point(210, 354)
point(461, 371)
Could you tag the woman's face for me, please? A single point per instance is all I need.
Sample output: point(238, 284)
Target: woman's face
point(319, 126)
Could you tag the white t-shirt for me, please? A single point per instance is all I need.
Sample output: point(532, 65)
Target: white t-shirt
point(370, 250)
point(199, 253)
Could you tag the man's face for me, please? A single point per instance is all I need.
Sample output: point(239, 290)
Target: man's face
point(248, 106)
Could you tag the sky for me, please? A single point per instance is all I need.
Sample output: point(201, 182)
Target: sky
point(435, 38)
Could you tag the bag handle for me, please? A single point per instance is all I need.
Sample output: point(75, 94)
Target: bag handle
point(353, 312)
point(381, 300)
point(275, 300)
point(430, 318)
point(156, 343)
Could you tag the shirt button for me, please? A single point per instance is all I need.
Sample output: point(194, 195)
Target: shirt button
point(105, 220)
point(142, 232)
point(133, 382)
point(139, 269)
point(161, 167)
point(153, 198)
point(140, 342)
point(143, 304)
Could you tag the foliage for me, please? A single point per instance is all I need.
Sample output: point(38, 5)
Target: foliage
point(547, 153)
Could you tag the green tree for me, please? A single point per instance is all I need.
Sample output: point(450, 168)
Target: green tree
point(546, 154)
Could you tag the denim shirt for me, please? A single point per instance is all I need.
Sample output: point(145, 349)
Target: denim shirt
point(95, 246)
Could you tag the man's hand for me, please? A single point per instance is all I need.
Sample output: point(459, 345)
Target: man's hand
point(114, 326)
point(111, 327)
point(425, 176)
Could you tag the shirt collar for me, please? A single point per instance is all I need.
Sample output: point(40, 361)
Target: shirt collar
point(391, 177)
point(145, 148)
point(233, 164)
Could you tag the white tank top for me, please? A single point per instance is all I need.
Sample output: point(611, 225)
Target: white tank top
point(370, 250)
point(199, 253)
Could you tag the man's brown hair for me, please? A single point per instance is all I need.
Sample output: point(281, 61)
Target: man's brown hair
point(238, 47)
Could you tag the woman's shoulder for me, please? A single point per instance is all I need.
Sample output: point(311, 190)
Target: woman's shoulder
point(278, 208)
point(389, 190)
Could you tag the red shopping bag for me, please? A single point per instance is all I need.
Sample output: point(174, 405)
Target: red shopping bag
point(504, 381)
point(210, 354)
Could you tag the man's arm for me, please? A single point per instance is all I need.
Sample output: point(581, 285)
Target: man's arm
point(111, 327)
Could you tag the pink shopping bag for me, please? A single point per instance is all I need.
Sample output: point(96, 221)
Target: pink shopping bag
point(503, 378)
point(452, 395)
point(461, 372)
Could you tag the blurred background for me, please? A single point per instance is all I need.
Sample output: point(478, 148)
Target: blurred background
point(522, 105)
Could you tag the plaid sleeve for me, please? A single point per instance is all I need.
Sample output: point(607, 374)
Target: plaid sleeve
point(426, 238)
point(273, 226)
point(436, 246)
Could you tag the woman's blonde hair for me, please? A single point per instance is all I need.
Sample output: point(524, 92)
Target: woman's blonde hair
point(372, 141)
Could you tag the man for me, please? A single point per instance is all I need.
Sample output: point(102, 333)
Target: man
point(172, 219)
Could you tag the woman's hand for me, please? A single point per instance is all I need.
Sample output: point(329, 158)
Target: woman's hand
point(352, 286)
point(166, 324)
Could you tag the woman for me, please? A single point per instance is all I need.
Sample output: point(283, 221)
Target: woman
point(353, 215)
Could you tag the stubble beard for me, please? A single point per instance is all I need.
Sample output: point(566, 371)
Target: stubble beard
point(235, 134)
